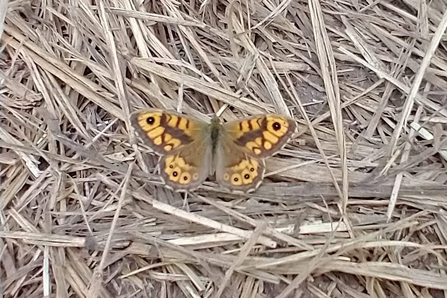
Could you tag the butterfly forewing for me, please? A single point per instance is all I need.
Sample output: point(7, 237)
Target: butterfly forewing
point(261, 136)
point(166, 132)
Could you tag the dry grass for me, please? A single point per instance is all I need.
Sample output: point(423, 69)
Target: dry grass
point(354, 206)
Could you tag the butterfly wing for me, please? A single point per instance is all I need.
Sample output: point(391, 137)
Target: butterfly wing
point(244, 144)
point(166, 132)
point(184, 143)
point(261, 136)
point(187, 168)
point(237, 170)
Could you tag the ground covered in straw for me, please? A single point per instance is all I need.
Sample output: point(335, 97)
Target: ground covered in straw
point(354, 206)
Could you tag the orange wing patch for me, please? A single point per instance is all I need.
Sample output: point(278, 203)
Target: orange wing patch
point(179, 171)
point(156, 126)
point(265, 135)
point(243, 173)
point(185, 125)
point(246, 126)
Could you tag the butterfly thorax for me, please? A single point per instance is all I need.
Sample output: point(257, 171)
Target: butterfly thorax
point(215, 128)
point(215, 132)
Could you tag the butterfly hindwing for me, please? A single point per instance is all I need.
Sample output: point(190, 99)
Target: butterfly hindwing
point(188, 167)
point(237, 170)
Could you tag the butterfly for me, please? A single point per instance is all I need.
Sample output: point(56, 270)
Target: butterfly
point(192, 150)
